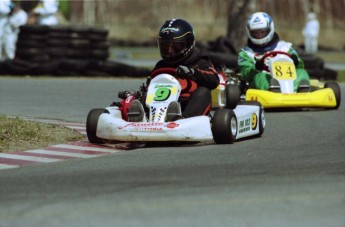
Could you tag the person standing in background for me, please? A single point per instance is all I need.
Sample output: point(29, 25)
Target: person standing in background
point(17, 18)
point(5, 9)
point(45, 13)
point(311, 33)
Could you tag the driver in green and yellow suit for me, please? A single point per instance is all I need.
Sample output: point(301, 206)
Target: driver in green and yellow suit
point(261, 40)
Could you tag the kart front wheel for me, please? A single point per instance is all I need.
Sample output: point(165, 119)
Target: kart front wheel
point(91, 125)
point(233, 96)
point(336, 89)
point(224, 126)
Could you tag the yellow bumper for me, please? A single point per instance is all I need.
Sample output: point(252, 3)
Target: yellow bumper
point(320, 98)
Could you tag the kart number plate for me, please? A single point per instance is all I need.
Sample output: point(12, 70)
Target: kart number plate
point(284, 71)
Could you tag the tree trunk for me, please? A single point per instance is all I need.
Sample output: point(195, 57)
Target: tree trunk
point(237, 18)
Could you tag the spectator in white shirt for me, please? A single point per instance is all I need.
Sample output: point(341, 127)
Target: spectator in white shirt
point(311, 33)
point(45, 12)
point(17, 18)
point(5, 9)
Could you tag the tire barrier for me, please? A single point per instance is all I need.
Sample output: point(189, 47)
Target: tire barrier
point(60, 42)
point(65, 51)
point(72, 67)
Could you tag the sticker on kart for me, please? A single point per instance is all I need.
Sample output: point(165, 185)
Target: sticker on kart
point(284, 71)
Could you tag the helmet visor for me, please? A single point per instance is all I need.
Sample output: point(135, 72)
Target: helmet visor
point(259, 33)
point(171, 48)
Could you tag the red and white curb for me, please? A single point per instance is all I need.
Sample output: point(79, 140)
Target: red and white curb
point(60, 152)
point(55, 153)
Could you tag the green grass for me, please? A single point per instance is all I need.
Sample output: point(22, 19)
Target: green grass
point(17, 134)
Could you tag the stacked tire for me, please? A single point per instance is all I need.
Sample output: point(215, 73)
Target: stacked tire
point(315, 67)
point(65, 51)
point(43, 43)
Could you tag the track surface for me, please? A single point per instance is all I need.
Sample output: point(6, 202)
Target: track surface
point(293, 176)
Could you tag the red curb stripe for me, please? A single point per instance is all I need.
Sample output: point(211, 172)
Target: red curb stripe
point(43, 155)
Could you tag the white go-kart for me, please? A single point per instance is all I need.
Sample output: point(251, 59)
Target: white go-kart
point(230, 120)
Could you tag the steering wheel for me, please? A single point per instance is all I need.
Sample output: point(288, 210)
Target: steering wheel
point(272, 54)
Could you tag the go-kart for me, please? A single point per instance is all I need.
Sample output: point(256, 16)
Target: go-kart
point(282, 94)
point(222, 125)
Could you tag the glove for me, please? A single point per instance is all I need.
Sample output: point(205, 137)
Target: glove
point(295, 59)
point(259, 65)
point(184, 72)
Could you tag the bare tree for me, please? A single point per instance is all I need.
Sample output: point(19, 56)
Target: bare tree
point(237, 16)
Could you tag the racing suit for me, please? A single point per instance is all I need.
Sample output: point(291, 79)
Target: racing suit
point(195, 98)
point(260, 79)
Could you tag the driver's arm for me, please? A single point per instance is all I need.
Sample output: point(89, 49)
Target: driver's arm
point(246, 66)
point(292, 51)
point(205, 74)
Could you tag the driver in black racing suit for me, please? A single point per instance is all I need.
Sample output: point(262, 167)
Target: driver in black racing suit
point(194, 71)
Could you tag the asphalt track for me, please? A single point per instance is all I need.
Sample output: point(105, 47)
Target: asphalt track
point(294, 175)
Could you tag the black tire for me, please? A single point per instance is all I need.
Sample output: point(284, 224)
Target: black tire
point(233, 95)
point(99, 54)
point(221, 59)
point(91, 125)
point(28, 53)
point(312, 62)
point(17, 67)
point(34, 29)
point(29, 44)
point(262, 120)
point(337, 92)
point(224, 126)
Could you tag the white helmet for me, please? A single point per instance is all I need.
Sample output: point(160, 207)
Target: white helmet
point(260, 21)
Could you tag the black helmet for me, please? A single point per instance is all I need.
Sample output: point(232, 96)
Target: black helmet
point(175, 40)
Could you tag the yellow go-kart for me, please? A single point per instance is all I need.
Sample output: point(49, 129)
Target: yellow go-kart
point(282, 94)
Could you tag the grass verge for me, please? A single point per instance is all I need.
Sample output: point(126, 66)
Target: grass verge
point(19, 135)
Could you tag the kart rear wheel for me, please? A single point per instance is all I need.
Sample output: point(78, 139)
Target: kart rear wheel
point(91, 125)
point(336, 89)
point(233, 95)
point(224, 126)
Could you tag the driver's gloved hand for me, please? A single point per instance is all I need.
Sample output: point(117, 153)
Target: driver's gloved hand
point(295, 59)
point(259, 65)
point(184, 72)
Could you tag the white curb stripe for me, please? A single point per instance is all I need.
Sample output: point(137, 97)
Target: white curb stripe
point(62, 153)
point(27, 158)
point(4, 166)
point(86, 148)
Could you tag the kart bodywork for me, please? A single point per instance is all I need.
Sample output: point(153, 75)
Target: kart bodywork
point(321, 98)
point(283, 70)
point(222, 125)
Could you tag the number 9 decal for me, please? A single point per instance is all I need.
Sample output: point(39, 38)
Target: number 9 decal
point(162, 94)
point(254, 121)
